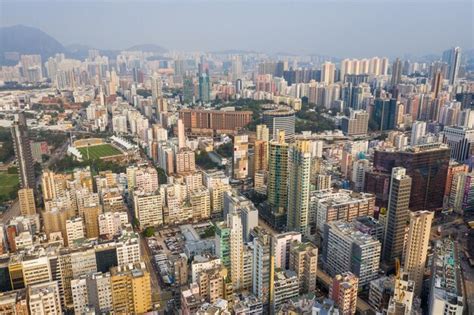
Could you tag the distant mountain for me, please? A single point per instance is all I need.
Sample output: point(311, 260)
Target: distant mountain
point(27, 40)
point(148, 48)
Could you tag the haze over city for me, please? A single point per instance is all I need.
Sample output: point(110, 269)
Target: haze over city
point(335, 28)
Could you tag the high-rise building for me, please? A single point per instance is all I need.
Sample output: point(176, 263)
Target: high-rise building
point(181, 135)
point(418, 130)
point(223, 243)
point(156, 88)
point(356, 124)
point(285, 287)
point(453, 58)
point(44, 298)
point(212, 283)
point(92, 291)
point(359, 168)
point(188, 90)
point(396, 72)
point(26, 198)
point(446, 291)
point(263, 266)
point(74, 230)
point(236, 67)
point(200, 201)
point(461, 142)
point(299, 169)
point(131, 289)
point(148, 208)
point(91, 220)
point(397, 215)
point(328, 206)
point(328, 71)
point(304, 261)
point(417, 247)
point(262, 133)
point(280, 120)
point(437, 83)
point(343, 292)
point(236, 249)
point(185, 161)
point(281, 248)
point(345, 248)
point(21, 144)
point(204, 88)
point(426, 164)
point(240, 160)
point(461, 197)
point(384, 113)
point(278, 177)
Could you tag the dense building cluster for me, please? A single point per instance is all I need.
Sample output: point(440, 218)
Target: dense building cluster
point(202, 184)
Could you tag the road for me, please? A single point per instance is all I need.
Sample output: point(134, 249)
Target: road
point(147, 258)
point(12, 211)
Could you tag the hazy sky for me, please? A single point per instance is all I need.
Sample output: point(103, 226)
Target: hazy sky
point(329, 27)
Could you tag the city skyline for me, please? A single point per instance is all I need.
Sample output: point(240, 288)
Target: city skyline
point(335, 180)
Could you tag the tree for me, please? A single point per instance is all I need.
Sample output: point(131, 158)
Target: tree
point(162, 178)
point(226, 149)
point(44, 158)
point(210, 231)
point(149, 232)
point(204, 161)
point(135, 222)
point(6, 149)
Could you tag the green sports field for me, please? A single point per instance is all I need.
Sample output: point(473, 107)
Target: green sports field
point(8, 184)
point(98, 151)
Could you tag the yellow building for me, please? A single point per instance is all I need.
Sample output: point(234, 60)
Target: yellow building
point(26, 199)
point(131, 289)
point(91, 220)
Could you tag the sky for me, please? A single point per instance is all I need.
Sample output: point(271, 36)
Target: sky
point(339, 28)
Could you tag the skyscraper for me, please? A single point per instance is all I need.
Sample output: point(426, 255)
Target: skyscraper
point(328, 72)
point(426, 164)
point(356, 124)
point(278, 176)
point(181, 135)
point(204, 88)
point(345, 248)
point(417, 247)
point(418, 130)
point(397, 215)
point(26, 199)
point(384, 113)
point(299, 169)
point(156, 88)
point(188, 90)
point(461, 142)
point(131, 288)
point(263, 266)
point(453, 58)
point(396, 72)
point(234, 223)
point(280, 120)
point(23, 154)
point(240, 160)
point(436, 83)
